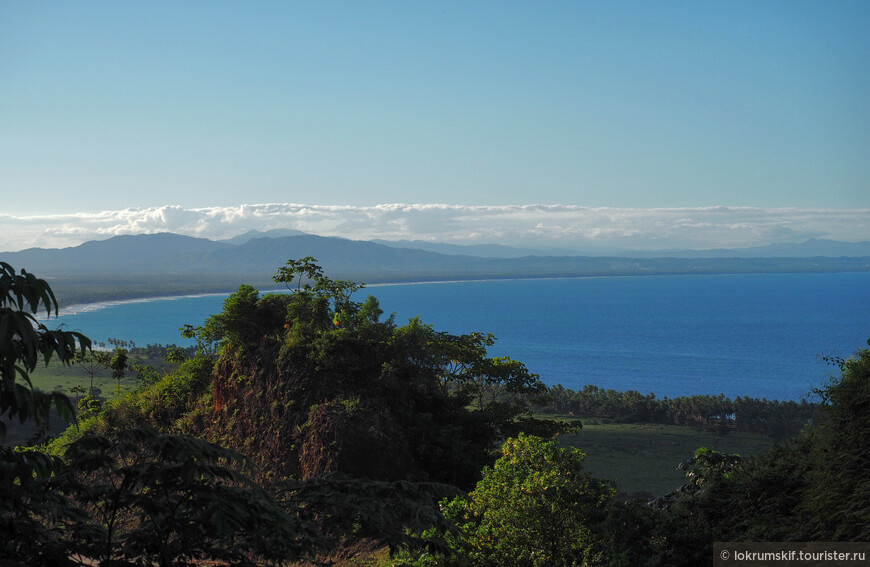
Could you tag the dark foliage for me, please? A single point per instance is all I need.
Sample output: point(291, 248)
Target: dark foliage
point(311, 383)
point(169, 499)
point(24, 342)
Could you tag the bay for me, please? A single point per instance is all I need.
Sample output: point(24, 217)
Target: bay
point(758, 335)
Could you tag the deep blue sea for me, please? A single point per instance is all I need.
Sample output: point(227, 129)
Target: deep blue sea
point(757, 335)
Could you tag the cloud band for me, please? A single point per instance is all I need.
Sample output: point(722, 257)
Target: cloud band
point(518, 225)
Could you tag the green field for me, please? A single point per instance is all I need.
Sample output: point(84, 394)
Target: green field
point(643, 458)
point(56, 376)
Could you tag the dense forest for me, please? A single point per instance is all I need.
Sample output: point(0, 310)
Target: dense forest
point(309, 427)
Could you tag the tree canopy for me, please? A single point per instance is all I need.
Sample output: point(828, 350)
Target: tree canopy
point(313, 382)
point(24, 342)
point(534, 506)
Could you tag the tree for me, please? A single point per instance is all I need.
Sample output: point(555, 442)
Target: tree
point(297, 269)
point(337, 291)
point(836, 503)
point(31, 514)
point(93, 362)
point(118, 364)
point(37, 520)
point(24, 341)
point(175, 355)
point(312, 382)
point(160, 499)
point(533, 507)
point(707, 465)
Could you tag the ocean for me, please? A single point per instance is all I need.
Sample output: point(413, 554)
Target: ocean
point(761, 335)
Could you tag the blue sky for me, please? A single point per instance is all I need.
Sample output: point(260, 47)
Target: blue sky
point(115, 106)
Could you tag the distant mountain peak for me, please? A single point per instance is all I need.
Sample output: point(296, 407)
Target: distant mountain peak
point(253, 234)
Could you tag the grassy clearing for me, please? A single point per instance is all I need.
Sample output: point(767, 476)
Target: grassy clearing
point(65, 378)
point(56, 376)
point(643, 458)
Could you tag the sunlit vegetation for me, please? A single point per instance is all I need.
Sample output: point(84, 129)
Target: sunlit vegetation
point(308, 426)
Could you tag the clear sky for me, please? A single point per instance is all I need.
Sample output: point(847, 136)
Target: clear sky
point(108, 106)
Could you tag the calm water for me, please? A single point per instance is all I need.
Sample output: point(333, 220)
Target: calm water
point(757, 335)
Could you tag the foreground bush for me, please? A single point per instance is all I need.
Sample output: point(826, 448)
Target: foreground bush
point(534, 506)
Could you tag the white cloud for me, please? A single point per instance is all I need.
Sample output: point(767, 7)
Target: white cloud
point(531, 225)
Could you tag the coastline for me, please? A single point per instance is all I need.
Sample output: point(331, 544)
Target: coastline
point(158, 295)
point(87, 306)
point(115, 293)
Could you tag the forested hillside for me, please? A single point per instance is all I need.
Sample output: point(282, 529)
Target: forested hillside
point(149, 265)
point(310, 427)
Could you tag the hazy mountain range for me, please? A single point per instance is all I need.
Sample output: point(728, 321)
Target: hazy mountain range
point(151, 264)
point(806, 249)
